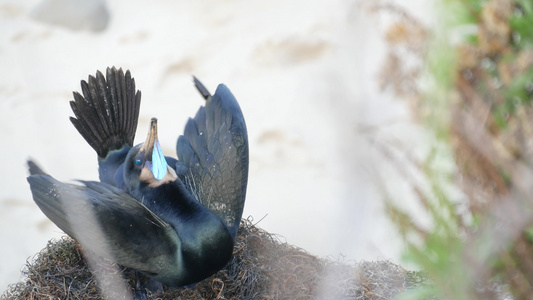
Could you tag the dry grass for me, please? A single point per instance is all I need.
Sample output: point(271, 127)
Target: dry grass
point(262, 268)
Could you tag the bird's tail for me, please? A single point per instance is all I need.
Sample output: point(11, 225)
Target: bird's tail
point(108, 111)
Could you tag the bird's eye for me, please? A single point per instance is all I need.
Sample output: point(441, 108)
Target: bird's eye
point(138, 162)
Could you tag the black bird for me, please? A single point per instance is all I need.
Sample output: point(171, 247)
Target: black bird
point(173, 220)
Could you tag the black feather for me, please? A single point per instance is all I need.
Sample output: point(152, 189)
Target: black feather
point(107, 113)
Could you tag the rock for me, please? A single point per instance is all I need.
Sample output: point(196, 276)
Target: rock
point(73, 14)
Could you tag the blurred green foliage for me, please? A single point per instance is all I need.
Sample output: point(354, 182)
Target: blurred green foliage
point(455, 254)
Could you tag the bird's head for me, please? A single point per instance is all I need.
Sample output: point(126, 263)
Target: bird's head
point(146, 163)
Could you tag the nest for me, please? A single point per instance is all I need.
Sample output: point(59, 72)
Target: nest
point(262, 267)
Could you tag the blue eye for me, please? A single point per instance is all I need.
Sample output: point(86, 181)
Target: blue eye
point(138, 162)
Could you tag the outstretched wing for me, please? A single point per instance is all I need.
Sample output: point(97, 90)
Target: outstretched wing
point(108, 222)
point(213, 155)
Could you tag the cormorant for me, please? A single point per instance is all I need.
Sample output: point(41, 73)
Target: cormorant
point(174, 220)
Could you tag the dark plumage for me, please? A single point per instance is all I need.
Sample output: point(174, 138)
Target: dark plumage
point(173, 220)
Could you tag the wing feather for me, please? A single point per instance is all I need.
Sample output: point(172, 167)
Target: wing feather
point(213, 156)
point(108, 222)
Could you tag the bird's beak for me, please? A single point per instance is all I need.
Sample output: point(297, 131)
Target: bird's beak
point(157, 163)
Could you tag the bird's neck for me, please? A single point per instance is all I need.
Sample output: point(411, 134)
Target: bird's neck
point(172, 202)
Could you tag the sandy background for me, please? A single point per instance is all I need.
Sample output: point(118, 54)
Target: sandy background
point(304, 72)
